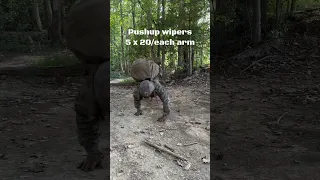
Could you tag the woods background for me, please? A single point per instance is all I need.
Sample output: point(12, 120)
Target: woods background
point(160, 15)
point(35, 26)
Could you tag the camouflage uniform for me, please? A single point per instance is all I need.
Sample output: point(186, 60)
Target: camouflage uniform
point(87, 36)
point(142, 70)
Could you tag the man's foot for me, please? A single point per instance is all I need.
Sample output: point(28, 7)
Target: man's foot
point(92, 161)
point(138, 113)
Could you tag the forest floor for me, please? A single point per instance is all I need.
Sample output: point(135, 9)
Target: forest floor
point(265, 112)
point(38, 131)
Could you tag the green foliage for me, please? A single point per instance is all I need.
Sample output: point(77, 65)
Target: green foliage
point(303, 4)
point(57, 59)
point(128, 80)
point(15, 15)
point(233, 22)
point(179, 15)
point(17, 23)
point(117, 75)
point(23, 41)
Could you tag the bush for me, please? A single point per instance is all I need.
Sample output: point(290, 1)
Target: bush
point(24, 41)
point(58, 59)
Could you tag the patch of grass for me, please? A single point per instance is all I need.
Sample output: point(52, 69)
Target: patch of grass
point(58, 59)
point(128, 80)
point(117, 75)
point(301, 5)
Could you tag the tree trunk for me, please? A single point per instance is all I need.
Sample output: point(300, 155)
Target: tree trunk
point(48, 10)
point(201, 56)
point(190, 63)
point(197, 60)
point(56, 22)
point(153, 54)
point(190, 49)
point(119, 56)
point(217, 29)
point(192, 56)
point(277, 13)
point(63, 15)
point(256, 22)
point(134, 14)
point(122, 42)
point(293, 6)
point(121, 62)
point(180, 55)
point(133, 19)
point(185, 58)
point(163, 58)
point(264, 17)
point(249, 15)
point(36, 15)
point(159, 27)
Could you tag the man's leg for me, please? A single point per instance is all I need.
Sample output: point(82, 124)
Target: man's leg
point(87, 118)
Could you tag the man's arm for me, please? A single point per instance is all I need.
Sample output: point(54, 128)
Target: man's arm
point(137, 102)
point(88, 126)
point(88, 133)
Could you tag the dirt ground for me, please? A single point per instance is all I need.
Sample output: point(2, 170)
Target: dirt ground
point(38, 132)
point(188, 124)
point(265, 122)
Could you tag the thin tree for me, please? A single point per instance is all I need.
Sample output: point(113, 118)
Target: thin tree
point(278, 13)
point(149, 16)
point(134, 14)
point(48, 11)
point(163, 48)
point(36, 15)
point(256, 22)
point(159, 26)
point(123, 68)
point(56, 22)
point(293, 6)
point(264, 11)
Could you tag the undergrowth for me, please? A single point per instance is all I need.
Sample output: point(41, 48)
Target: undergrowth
point(57, 59)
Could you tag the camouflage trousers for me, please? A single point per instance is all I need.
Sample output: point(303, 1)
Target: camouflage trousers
point(92, 104)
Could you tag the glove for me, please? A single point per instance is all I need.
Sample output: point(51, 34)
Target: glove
point(92, 161)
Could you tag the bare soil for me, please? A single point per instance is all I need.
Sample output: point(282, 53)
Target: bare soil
point(186, 131)
point(265, 120)
point(264, 125)
point(38, 132)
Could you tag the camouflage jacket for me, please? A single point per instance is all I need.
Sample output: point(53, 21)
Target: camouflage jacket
point(158, 91)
